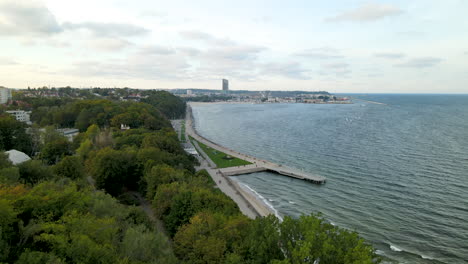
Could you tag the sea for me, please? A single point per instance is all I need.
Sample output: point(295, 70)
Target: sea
point(397, 172)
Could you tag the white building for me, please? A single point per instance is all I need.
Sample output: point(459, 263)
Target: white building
point(5, 95)
point(21, 116)
point(17, 157)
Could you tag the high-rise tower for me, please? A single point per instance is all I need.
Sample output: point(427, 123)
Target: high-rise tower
point(225, 85)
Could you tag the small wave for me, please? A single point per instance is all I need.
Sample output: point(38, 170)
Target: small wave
point(271, 200)
point(291, 202)
point(379, 252)
point(394, 248)
point(263, 200)
point(397, 249)
point(426, 257)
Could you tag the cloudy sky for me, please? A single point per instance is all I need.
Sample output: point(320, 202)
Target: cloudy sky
point(407, 46)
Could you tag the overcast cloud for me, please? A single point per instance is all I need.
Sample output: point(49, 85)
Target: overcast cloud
point(421, 62)
point(367, 12)
point(390, 55)
point(313, 44)
point(19, 17)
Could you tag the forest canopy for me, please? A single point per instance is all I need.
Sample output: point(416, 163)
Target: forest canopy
point(134, 196)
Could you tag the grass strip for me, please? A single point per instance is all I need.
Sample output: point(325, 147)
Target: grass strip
point(182, 132)
point(221, 159)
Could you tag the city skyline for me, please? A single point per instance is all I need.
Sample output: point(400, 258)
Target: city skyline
point(339, 46)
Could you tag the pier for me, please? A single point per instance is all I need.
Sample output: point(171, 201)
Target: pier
point(258, 165)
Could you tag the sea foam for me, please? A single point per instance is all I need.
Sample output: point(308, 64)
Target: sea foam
point(265, 201)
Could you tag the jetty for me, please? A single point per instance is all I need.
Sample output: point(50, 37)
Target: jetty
point(258, 165)
point(367, 101)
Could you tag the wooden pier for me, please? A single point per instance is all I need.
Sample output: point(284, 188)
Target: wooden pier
point(257, 165)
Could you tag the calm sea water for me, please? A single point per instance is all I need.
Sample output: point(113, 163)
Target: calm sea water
point(397, 173)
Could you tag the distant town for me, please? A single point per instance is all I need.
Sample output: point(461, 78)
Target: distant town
point(195, 94)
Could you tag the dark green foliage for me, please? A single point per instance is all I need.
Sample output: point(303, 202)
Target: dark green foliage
point(178, 203)
point(34, 171)
point(13, 135)
point(4, 161)
point(311, 238)
point(9, 175)
point(261, 242)
point(161, 174)
point(68, 222)
point(143, 245)
point(37, 257)
point(83, 113)
point(70, 167)
point(59, 223)
point(53, 151)
point(170, 105)
point(114, 169)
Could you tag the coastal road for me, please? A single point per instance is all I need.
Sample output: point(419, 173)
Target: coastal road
point(248, 204)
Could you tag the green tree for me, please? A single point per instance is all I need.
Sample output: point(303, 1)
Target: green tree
point(161, 174)
point(34, 171)
point(13, 135)
point(142, 245)
point(310, 238)
point(170, 105)
point(55, 150)
point(70, 167)
point(114, 169)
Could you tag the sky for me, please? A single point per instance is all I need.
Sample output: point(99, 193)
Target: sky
point(347, 46)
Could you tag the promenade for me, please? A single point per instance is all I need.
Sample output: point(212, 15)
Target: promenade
point(257, 164)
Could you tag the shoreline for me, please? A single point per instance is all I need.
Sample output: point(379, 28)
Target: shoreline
point(248, 202)
point(243, 102)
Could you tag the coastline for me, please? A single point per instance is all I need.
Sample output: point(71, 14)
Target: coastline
point(249, 203)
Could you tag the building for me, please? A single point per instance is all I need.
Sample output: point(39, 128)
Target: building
point(69, 133)
point(225, 85)
point(17, 157)
point(5, 95)
point(21, 116)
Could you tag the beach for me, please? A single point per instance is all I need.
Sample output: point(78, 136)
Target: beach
point(249, 203)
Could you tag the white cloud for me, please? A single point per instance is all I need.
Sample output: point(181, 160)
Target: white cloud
point(196, 35)
point(206, 37)
point(339, 69)
point(292, 70)
point(7, 61)
point(390, 55)
point(189, 51)
point(23, 17)
point(148, 67)
point(156, 49)
point(367, 12)
point(109, 44)
point(338, 65)
point(324, 53)
point(424, 62)
point(108, 29)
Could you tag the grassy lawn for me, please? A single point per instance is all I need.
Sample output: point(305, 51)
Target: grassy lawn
point(221, 159)
point(182, 132)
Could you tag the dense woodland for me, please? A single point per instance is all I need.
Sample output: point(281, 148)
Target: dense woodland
point(77, 202)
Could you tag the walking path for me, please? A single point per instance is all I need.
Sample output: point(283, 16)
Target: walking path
point(260, 165)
